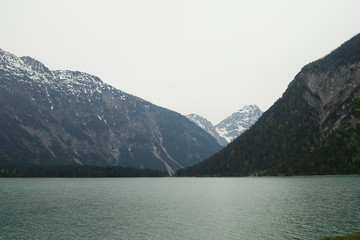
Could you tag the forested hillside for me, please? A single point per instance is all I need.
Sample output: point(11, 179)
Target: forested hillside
point(312, 129)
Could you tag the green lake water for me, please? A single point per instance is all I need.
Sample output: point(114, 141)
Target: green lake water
point(179, 208)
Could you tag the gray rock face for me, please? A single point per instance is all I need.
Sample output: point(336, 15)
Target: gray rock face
point(69, 117)
point(332, 92)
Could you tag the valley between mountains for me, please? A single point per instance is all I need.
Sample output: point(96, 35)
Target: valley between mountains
point(312, 129)
point(70, 118)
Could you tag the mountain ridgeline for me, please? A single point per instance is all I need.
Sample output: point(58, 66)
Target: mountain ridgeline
point(311, 129)
point(231, 127)
point(73, 118)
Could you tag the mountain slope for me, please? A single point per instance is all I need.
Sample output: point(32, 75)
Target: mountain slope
point(208, 127)
point(68, 117)
point(311, 129)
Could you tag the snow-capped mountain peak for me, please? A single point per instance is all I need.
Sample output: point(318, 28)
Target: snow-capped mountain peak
point(234, 125)
point(231, 127)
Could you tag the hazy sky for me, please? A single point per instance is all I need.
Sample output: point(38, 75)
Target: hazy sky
point(191, 56)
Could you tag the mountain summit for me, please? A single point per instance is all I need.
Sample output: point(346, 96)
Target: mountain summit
point(311, 129)
point(69, 117)
point(236, 124)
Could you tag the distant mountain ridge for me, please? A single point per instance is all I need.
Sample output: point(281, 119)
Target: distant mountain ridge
point(311, 129)
point(66, 117)
point(231, 127)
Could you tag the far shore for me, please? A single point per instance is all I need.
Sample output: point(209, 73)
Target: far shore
point(353, 236)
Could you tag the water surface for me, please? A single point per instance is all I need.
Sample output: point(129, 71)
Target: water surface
point(179, 208)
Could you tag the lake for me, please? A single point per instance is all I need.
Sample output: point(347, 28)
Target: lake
point(179, 208)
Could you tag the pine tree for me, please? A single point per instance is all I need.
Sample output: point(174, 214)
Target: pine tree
point(357, 110)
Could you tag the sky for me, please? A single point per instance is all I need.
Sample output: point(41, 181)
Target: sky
point(206, 57)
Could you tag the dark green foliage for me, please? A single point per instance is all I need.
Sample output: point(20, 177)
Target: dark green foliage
point(27, 170)
point(339, 153)
point(357, 110)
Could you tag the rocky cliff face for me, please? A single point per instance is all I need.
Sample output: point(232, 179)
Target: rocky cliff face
point(69, 117)
point(331, 94)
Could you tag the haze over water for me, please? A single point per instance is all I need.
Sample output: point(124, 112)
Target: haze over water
point(180, 208)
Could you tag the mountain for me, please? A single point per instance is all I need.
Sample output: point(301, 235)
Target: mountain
point(311, 129)
point(232, 126)
point(208, 127)
point(69, 117)
point(236, 124)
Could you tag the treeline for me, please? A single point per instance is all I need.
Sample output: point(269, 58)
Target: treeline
point(339, 153)
point(74, 171)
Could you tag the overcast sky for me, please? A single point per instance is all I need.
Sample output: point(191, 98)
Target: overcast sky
point(191, 56)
